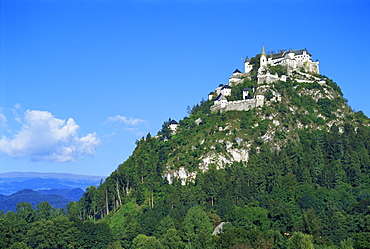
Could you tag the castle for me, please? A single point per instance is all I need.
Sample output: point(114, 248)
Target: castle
point(294, 61)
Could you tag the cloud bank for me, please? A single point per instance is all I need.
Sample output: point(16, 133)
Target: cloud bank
point(43, 137)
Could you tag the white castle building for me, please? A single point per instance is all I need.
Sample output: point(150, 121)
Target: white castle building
point(292, 60)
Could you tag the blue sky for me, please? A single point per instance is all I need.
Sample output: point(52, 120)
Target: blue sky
point(81, 81)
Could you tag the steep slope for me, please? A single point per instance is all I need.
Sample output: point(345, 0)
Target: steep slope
point(298, 164)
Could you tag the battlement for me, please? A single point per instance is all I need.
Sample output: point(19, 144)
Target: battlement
point(238, 105)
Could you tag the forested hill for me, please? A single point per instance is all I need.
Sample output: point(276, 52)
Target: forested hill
point(56, 198)
point(294, 173)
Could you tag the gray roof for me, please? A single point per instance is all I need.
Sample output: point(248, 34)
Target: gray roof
point(283, 54)
point(173, 122)
point(220, 97)
point(226, 86)
point(237, 71)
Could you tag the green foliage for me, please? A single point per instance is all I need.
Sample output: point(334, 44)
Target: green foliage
point(197, 228)
point(201, 109)
point(237, 90)
point(48, 228)
point(250, 218)
point(44, 210)
point(362, 240)
point(26, 212)
point(19, 245)
point(172, 240)
point(327, 106)
point(300, 241)
point(94, 235)
point(278, 69)
point(57, 233)
point(143, 242)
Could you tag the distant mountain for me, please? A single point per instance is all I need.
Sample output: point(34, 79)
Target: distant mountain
point(50, 175)
point(9, 203)
point(15, 181)
point(70, 194)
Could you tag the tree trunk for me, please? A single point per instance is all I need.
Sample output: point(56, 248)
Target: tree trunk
point(106, 200)
point(118, 194)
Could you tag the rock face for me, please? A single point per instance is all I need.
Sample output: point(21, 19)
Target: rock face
point(182, 174)
point(218, 229)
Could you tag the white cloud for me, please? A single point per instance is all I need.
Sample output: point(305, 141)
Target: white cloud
point(43, 137)
point(125, 120)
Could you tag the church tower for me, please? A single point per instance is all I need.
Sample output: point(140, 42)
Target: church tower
point(263, 59)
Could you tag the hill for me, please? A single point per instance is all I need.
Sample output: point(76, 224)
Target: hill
point(9, 203)
point(275, 158)
point(70, 194)
point(298, 164)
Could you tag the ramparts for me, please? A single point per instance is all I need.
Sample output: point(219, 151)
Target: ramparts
point(239, 105)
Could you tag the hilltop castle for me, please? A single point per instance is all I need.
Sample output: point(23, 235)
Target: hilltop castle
point(296, 62)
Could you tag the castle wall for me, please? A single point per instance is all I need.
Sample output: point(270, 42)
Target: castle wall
point(239, 105)
point(269, 78)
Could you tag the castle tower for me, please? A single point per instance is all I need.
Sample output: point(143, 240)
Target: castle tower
point(226, 90)
point(260, 99)
point(247, 66)
point(174, 125)
point(245, 93)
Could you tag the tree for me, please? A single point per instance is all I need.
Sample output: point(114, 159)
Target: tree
point(42, 234)
point(26, 212)
point(12, 229)
point(250, 218)
point(143, 242)
point(165, 224)
point(361, 240)
point(95, 235)
point(312, 224)
point(53, 233)
point(197, 228)
point(172, 240)
point(300, 241)
point(74, 209)
point(19, 245)
point(44, 210)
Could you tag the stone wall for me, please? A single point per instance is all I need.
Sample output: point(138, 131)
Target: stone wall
point(239, 105)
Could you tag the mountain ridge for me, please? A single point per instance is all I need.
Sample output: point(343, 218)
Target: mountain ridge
point(56, 198)
point(12, 182)
point(17, 174)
